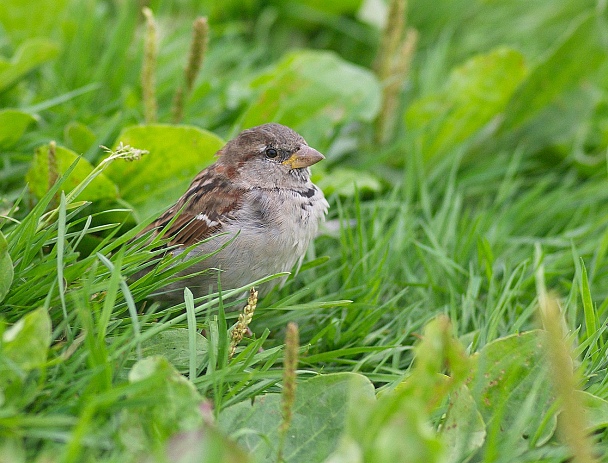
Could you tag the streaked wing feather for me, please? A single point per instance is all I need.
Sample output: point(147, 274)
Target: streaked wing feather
point(204, 208)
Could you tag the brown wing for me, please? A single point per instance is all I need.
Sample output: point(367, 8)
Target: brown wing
point(208, 203)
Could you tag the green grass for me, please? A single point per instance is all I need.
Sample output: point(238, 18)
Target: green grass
point(474, 218)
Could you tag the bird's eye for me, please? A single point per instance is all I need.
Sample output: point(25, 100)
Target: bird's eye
point(271, 153)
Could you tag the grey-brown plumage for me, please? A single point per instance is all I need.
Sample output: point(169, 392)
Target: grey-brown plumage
point(259, 194)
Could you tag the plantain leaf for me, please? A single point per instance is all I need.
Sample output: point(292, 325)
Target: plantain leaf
point(29, 55)
point(40, 179)
point(560, 71)
point(314, 431)
point(475, 93)
point(26, 343)
point(13, 124)
point(511, 393)
point(22, 20)
point(169, 405)
point(177, 154)
point(79, 137)
point(313, 92)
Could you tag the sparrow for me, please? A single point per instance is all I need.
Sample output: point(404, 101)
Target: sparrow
point(254, 211)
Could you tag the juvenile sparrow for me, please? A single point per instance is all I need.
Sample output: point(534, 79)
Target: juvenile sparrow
point(259, 195)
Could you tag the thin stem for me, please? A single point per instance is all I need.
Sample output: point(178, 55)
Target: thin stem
point(198, 47)
point(148, 72)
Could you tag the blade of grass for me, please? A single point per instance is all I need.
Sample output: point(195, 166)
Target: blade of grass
point(61, 229)
point(60, 99)
point(591, 321)
point(189, 301)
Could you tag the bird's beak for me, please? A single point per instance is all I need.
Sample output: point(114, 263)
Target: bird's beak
point(304, 157)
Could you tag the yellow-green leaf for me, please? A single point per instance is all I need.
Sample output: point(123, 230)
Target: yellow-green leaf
point(40, 179)
point(312, 92)
point(13, 124)
point(29, 55)
point(26, 342)
point(79, 137)
point(475, 93)
point(6, 268)
point(176, 155)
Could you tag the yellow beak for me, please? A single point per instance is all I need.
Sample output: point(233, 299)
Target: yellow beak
point(304, 157)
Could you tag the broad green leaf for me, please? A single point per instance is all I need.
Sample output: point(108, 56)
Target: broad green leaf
point(79, 137)
point(26, 343)
point(318, 419)
point(395, 427)
point(407, 437)
point(347, 182)
point(554, 106)
point(24, 349)
point(12, 450)
point(12, 126)
point(437, 349)
point(33, 18)
point(596, 410)
point(561, 70)
point(169, 405)
point(474, 94)
point(29, 55)
point(6, 268)
point(206, 445)
point(40, 181)
point(313, 92)
point(177, 154)
point(512, 390)
point(334, 7)
point(464, 430)
point(558, 123)
point(173, 345)
point(348, 451)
